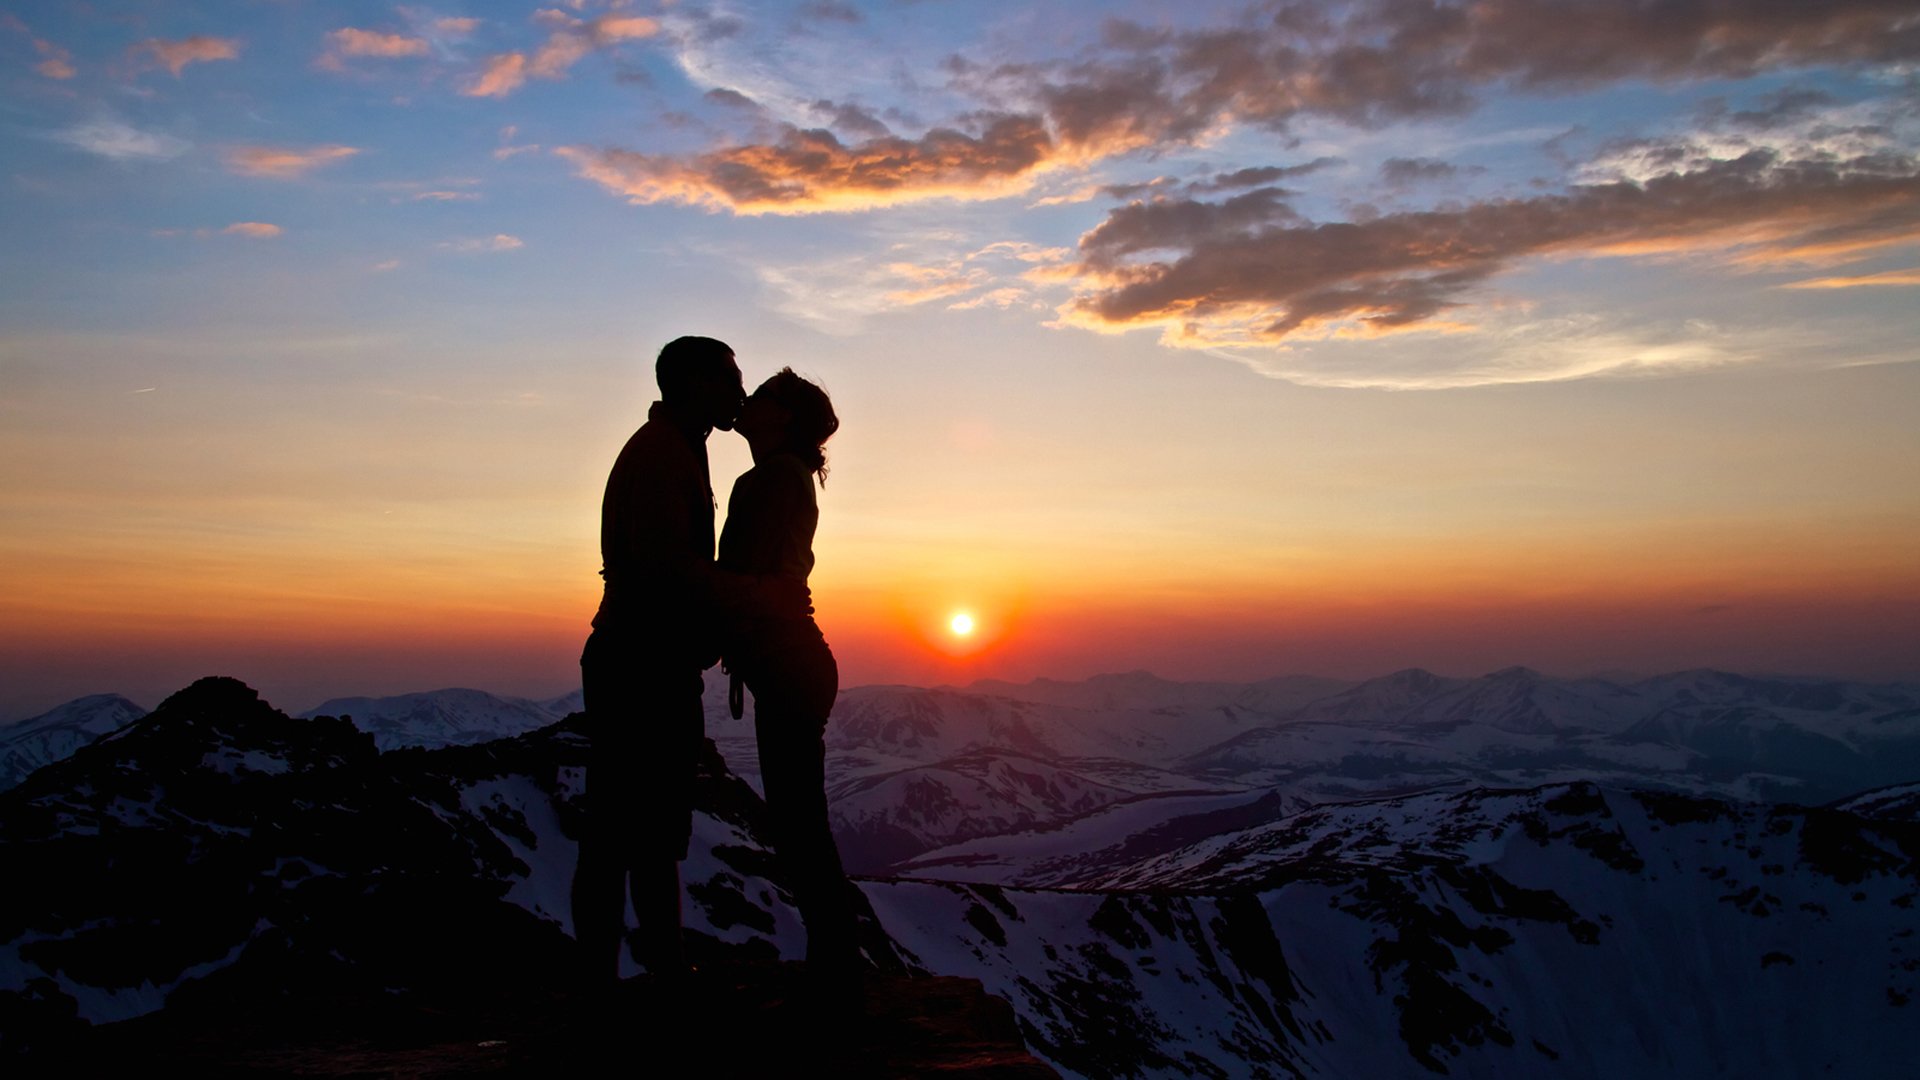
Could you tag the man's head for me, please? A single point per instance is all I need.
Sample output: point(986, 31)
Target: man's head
point(699, 374)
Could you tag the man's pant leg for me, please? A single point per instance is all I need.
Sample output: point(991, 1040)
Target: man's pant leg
point(645, 725)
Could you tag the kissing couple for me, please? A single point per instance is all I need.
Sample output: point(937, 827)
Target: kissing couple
point(671, 610)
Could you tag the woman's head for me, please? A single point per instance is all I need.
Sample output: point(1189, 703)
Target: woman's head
point(790, 414)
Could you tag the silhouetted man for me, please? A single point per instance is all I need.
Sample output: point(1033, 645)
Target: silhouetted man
point(652, 637)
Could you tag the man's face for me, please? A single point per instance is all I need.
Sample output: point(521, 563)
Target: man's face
point(722, 397)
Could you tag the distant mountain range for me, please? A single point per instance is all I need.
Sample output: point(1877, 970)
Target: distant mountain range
point(922, 778)
point(908, 765)
point(217, 850)
point(453, 717)
point(58, 732)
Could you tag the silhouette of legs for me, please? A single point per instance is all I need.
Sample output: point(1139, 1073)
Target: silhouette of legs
point(645, 725)
point(791, 699)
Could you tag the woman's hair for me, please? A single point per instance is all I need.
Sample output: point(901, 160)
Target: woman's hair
point(811, 422)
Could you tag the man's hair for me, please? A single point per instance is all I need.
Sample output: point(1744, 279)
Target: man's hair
point(688, 360)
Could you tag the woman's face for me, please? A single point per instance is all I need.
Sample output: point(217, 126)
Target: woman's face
point(762, 419)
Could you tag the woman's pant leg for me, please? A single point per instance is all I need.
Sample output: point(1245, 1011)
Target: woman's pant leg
point(790, 707)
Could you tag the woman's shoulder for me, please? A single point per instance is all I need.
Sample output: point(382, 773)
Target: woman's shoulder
point(781, 470)
point(778, 476)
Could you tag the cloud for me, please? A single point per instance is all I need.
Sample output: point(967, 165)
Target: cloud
point(1405, 172)
point(121, 142)
point(1367, 63)
point(508, 148)
point(732, 99)
point(384, 266)
point(283, 162)
point(1882, 280)
point(852, 119)
point(176, 55)
point(55, 62)
point(348, 41)
point(1252, 270)
point(1002, 298)
point(830, 11)
point(455, 26)
point(570, 40)
point(839, 295)
point(446, 196)
point(502, 75)
point(1508, 351)
point(1261, 176)
point(608, 29)
point(257, 230)
point(479, 245)
point(1381, 60)
point(812, 170)
point(918, 284)
point(1023, 251)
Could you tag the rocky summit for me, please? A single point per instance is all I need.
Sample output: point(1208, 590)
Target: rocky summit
point(219, 867)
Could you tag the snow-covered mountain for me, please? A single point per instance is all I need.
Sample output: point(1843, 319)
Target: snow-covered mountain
point(917, 771)
point(882, 817)
point(58, 732)
point(1064, 853)
point(453, 717)
point(1564, 931)
point(1705, 732)
point(905, 762)
point(219, 850)
point(1146, 691)
point(911, 724)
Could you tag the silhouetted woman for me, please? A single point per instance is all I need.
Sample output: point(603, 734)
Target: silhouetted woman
point(775, 648)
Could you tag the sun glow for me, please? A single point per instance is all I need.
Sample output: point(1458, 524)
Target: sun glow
point(961, 624)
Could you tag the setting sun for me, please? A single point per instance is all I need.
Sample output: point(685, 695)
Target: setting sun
point(962, 624)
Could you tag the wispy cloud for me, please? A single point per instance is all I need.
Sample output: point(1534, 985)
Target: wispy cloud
point(55, 61)
point(1512, 349)
point(349, 41)
point(283, 162)
point(812, 171)
point(838, 296)
point(120, 141)
point(830, 11)
point(483, 244)
point(1888, 278)
point(176, 55)
point(1002, 298)
point(502, 75)
point(257, 230)
point(508, 148)
point(1406, 172)
point(570, 40)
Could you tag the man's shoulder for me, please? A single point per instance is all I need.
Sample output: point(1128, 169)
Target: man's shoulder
point(657, 444)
